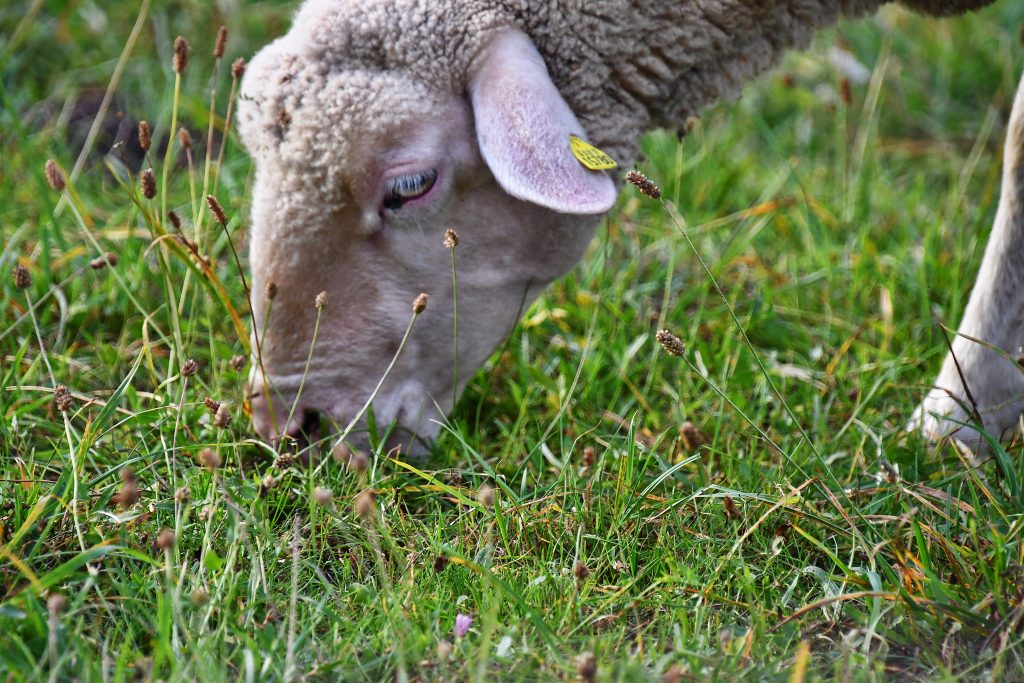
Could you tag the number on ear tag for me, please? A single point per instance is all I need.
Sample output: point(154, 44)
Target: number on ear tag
point(588, 155)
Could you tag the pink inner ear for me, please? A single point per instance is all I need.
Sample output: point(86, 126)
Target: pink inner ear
point(523, 127)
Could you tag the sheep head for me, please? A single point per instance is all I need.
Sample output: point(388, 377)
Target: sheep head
point(362, 163)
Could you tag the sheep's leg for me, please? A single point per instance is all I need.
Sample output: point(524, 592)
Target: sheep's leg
point(995, 315)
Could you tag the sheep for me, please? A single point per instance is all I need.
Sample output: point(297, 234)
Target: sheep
point(375, 125)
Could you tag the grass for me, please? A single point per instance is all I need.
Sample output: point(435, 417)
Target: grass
point(665, 514)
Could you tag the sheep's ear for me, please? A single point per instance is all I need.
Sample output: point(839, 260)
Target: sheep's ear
point(523, 127)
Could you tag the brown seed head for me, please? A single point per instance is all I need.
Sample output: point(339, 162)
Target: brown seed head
point(846, 91)
point(586, 667)
point(222, 39)
point(211, 405)
point(672, 344)
point(731, 510)
point(238, 68)
point(199, 597)
point(128, 495)
point(222, 420)
point(485, 496)
point(109, 259)
point(180, 55)
point(62, 398)
point(22, 277)
point(185, 138)
point(589, 456)
point(182, 495)
point(284, 460)
point(54, 176)
point(165, 539)
point(217, 209)
point(207, 513)
point(440, 562)
point(172, 216)
point(674, 674)
point(237, 362)
point(322, 496)
point(148, 183)
point(128, 476)
point(451, 239)
point(691, 436)
point(580, 571)
point(271, 290)
point(321, 301)
point(268, 482)
point(145, 136)
point(420, 303)
point(365, 504)
point(56, 603)
point(644, 184)
point(189, 367)
point(209, 459)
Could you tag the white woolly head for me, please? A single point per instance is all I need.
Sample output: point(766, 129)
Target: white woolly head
point(367, 146)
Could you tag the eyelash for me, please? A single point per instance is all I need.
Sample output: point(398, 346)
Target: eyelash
point(402, 189)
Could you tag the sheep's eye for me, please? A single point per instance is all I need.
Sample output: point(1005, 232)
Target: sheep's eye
point(405, 188)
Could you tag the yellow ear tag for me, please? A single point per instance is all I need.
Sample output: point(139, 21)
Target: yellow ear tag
point(590, 156)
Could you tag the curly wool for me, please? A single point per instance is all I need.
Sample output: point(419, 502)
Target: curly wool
point(623, 67)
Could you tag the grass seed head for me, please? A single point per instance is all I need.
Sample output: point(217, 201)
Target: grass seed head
point(674, 674)
point(732, 511)
point(108, 259)
point(165, 539)
point(189, 367)
point(644, 184)
point(271, 290)
point(56, 603)
point(580, 571)
point(211, 404)
point(145, 136)
point(172, 216)
point(148, 183)
point(451, 239)
point(238, 68)
point(217, 209)
point(322, 496)
point(22, 277)
point(589, 456)
point(268, 482)
point(199, 597)
point(222, 39)
point(185, 138)
point(62, 398)
point(237, 362)
point(365, 505)
point(586, 667)
point(691, 436)
point(672, 344)
point(128, 495)
point(209, 459)
point(321, 301)
point(128, 476)
point(284, 460)
point(222, 420)
point(180, 62)
point(182, 495)
point(485, 496)
point(54, 176)
point(420, 303)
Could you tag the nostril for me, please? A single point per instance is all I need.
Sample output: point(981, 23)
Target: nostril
point(310, 427)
